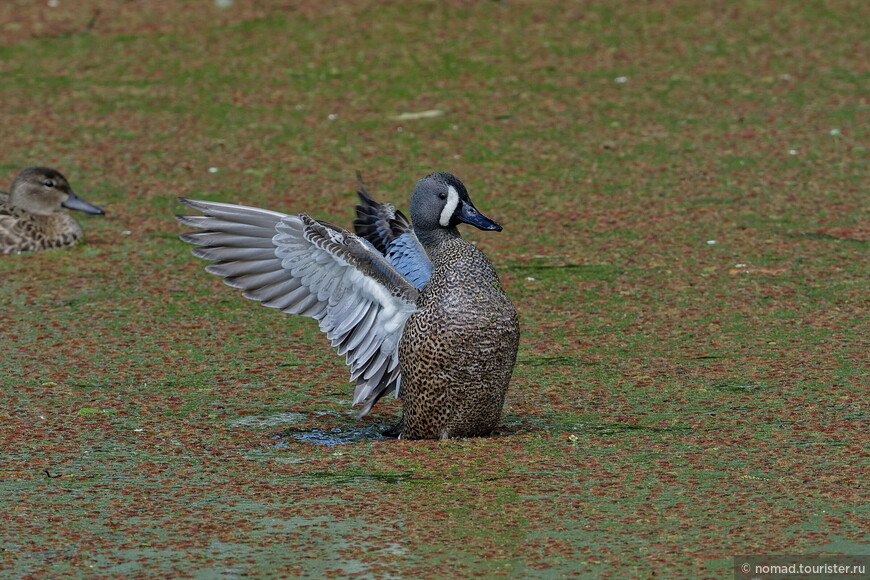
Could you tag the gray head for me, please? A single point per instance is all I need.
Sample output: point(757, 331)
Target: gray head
point(440, 201)
point(44, 191)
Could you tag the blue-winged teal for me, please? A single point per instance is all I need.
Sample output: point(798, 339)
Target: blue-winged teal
point(416, 309)
point(31, 214)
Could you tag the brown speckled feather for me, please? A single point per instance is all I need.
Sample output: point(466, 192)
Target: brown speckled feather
point(32, 216)
point(458, 350)
point(21, 231)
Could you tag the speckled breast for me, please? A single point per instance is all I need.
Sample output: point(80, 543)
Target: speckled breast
point(458, 352)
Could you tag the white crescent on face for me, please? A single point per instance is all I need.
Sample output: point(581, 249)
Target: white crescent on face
point(449, 206)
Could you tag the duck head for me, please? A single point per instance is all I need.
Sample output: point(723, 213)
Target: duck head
point(44, 191)
point(440, 200)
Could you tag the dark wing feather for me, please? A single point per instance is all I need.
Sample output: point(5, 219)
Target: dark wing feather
point(392, 234)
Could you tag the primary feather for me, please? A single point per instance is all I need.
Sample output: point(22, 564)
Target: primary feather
point(315, 269)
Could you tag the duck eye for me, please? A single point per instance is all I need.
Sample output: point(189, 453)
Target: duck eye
point(48, 183)
point(442, 195)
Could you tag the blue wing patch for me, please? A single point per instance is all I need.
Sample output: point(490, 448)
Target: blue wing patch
point(392, 234)
point(407, 255)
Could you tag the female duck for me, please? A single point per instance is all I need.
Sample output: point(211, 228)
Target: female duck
point(31, 214)
point(416, 309)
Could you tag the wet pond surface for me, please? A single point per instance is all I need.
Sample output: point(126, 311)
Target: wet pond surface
point(675, 402)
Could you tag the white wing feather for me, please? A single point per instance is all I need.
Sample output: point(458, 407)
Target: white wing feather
point(302, 266)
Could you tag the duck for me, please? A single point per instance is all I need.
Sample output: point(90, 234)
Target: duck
point(417, 310)
point(31, 213)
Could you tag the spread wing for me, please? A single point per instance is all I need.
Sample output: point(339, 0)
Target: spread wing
point(392, 234)
point(302, 266)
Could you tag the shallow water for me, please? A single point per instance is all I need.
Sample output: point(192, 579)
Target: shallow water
point(330, 437)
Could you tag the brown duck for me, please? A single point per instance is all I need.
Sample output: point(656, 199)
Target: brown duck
point(416, 309)
point(31, 214)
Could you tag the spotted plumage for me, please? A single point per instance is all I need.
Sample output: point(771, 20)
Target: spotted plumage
point(31, 214)
point(458, 350)
point(416, 309)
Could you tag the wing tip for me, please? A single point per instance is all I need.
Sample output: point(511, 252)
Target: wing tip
point(197, 204)
point(362, 191)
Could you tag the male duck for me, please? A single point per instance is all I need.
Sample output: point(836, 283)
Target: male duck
point(416, 309)
point(31, 214)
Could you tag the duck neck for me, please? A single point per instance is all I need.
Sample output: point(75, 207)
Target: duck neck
point(437, 236)
point(55, 225)
point(433, 240)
